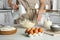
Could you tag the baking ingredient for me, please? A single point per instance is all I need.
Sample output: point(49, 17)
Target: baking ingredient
point(34, 31)
point(47, 24)
point(7, 28)
point(27, 24)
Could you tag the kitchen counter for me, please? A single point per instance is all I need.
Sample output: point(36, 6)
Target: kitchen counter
point(21, 36)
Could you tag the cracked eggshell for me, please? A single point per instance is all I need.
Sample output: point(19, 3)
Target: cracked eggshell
point(34, 34)
point(39, 33)
point(30, 35)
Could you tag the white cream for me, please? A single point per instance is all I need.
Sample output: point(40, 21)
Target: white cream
point(27, 24)
point(7, 28)
point(47, 24)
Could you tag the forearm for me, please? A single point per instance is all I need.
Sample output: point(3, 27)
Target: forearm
point(41, 8)
point(10, 3)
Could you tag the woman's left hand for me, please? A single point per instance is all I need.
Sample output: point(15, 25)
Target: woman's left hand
point(39, 15)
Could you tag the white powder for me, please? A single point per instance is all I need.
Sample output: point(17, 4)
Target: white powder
point(56, 26)
point(7, 28)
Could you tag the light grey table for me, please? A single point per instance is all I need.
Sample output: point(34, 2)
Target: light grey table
point(20, 35)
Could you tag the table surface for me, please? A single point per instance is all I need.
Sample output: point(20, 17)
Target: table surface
point(20, 35)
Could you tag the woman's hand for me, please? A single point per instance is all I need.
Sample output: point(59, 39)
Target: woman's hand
point(39, 16)
point(14, 6)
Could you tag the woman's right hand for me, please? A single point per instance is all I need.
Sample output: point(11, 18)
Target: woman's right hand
point(14, 6)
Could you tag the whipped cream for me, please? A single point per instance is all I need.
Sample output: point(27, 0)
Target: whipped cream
point(27, 24)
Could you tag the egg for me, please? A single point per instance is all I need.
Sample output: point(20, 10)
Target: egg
point(36, 31)
point(30, 32)
point(33, 32)
point(27, 30)
point(40, 30)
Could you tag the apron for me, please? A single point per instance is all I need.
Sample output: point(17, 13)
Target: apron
point(29, 6)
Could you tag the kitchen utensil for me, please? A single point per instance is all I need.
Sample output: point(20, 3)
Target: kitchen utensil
point(55, 28)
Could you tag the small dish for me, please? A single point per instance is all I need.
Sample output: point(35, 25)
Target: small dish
point(55, 28)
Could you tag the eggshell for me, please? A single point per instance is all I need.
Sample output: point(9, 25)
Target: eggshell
point(30, 35)
point(39, 33)
point(34, 34)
